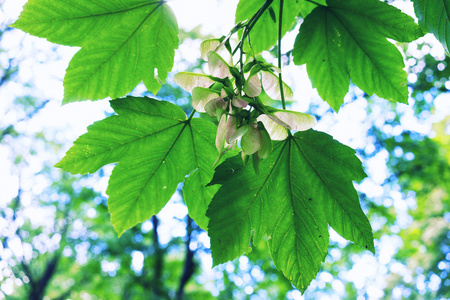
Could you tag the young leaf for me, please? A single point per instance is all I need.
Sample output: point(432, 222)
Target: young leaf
point(155, 147)
point(304, 184)
point(347, 39)
point(434, 17)
point(264, 34)
point(123, 43)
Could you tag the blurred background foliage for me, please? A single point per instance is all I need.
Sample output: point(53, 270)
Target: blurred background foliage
point(57, 241)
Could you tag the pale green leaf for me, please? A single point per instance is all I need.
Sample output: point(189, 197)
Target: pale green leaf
point(251, 140)
point(334, 167)
point(218, 67)
point(434, 17)
point(277, 131)
point(142, 183)
point(252, 86)
point(348, 40)
point(296, 120)
point(209, 45)
point(277, 122)
point(78, 23)
point(271, 85)
point(188, 81)
point(236, 211)
point(201, 96)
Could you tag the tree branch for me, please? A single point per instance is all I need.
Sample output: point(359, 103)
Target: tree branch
point(280, 32)
point(189, 264)
point(156, 283)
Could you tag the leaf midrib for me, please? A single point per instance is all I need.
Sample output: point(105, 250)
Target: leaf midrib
point(296, 213)
point(109, 149)
point(357, 42)
point(259, 189)
point(93, 15)
point(160, 163)
point(328, 188)
point(87, 79)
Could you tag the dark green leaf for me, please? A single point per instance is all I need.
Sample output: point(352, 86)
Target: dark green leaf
point(304, 185)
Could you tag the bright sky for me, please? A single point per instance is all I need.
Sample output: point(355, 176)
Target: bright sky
point(216, 17)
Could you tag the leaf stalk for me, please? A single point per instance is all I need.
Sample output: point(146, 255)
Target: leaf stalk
point(280, 77)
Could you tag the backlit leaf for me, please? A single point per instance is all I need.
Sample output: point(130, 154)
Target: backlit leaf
point(123, 43)
point(347, 40)
point(156, 147)
point(304, 185)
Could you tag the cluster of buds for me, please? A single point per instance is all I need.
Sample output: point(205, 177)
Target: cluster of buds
point(232, 96)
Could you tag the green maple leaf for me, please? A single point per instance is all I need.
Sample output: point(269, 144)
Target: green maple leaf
point(156, 147)
point(347, 40)
point(434, 17)
point(302, 187)
point(265, 33)
point(123, 43)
